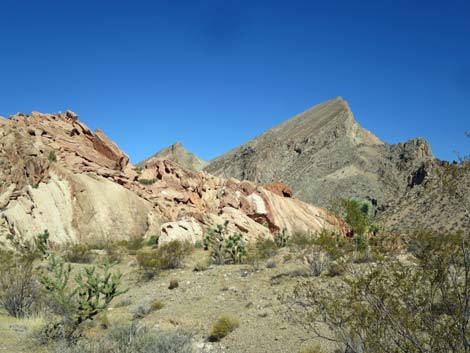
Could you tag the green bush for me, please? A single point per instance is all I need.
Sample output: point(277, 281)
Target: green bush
point(147, 181)
point(222, 327)
point(165, 257)
point(52, 156)
point(153, 240)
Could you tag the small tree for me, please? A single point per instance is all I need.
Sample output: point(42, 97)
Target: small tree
point(225, 248)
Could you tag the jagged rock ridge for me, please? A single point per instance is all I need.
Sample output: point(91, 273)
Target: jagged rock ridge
point(57, 174)
point(178, 154)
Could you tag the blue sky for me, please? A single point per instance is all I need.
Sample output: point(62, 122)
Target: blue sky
point(214, 74)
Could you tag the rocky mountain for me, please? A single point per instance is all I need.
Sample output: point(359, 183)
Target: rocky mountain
point(323, 154)
point(178, 154)
point(56, 174)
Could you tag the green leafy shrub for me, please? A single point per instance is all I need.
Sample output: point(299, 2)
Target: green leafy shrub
point(153, 240)
point(147, 181)
point(222, 327)
point(52, 156)
point(167, 256)
point(172, 254)
point(135, 243)
point(281, 239)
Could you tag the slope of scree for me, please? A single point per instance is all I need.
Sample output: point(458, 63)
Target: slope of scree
point(324, 154)
point(58, 175)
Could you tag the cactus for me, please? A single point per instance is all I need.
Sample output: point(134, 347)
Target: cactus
point(91, 295)
point(224, 248)
point(235, 251)
point(281, 239)
point(215, 242)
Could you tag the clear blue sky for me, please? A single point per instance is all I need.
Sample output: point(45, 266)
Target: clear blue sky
point(214, 74)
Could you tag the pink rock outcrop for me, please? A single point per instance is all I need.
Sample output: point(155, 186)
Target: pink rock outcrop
point(97, 190)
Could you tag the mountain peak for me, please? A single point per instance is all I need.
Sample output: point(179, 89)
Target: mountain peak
point(179, 154)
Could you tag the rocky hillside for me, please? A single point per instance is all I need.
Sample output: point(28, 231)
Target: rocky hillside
point(323, 154)
point(178, 154)
point(58, 175)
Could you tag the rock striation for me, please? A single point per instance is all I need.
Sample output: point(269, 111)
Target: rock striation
point(57, 174)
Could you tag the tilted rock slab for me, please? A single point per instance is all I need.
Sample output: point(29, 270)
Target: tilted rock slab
point(56, 174)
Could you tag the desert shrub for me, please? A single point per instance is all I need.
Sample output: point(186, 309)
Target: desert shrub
point(157, 305)
point(52, 157)
point(201, 265)
point(312, 349)
point(173, 284)
point(78, 253)
point(265, 248)
point(222, 327)
point(142, 311)
point(167, 256)
point(336, 269)
point(130, 338)
point(281, 239)
point(317, 262)
point(147, 181)
point(335, 245)
point(135, 243)
point(19, 289)
point(225, 248)
point(153, 240)
point(396, 306)
point(302, 240)
point(123, 302)
point(198, 244)
point(103, 320)
point(172, 254)
point(271, 264)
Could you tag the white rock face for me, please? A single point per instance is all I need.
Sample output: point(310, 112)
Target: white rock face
point(184, 230)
